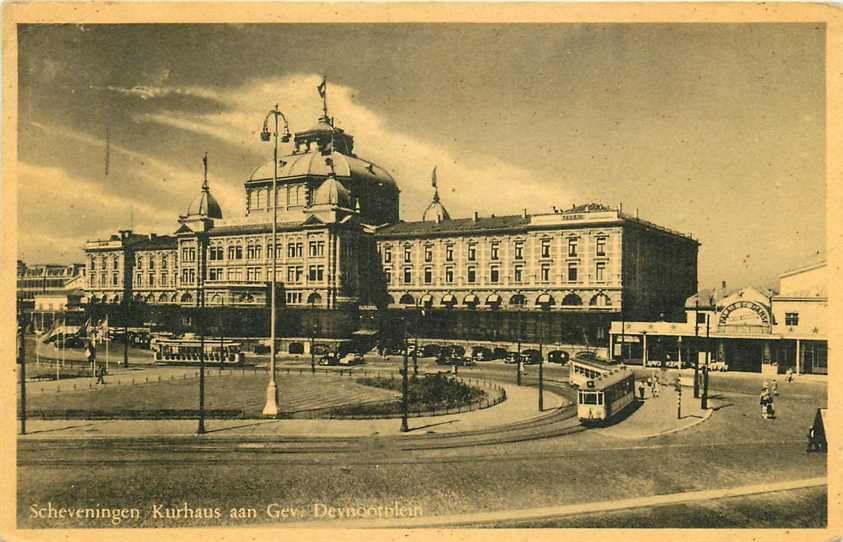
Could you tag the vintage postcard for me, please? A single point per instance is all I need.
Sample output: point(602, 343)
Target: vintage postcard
point(342, 267)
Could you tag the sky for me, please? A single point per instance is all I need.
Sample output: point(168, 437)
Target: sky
point(717, 130)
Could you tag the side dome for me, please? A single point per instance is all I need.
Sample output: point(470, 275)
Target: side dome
point(332, 192)
point(205, 204)
point(435, 212)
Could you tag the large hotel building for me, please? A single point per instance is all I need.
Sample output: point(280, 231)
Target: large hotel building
point(347, 265)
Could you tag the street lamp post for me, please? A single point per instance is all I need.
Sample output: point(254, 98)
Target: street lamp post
point(518, 345)
point(271, 407)
point(704, 400)
point(312, 338)
point(126, 304)
point(696, 347)
point(416, 342)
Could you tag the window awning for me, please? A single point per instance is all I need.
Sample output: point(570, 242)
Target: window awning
point(365, 332)
point(427, 299)
point(470, 299)
point(448, 299)
point(544, 299)
point(493, 299)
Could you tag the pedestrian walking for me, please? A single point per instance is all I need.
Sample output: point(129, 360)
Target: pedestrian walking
point(763, 399)
point(656, 387)
point(771, 408)
point(101, 374)
point(789, 373)
point(774, 387)
point(641, 390)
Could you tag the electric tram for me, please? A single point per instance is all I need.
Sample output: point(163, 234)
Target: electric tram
point(186, 350)
point(583, 370)
point(605, 397)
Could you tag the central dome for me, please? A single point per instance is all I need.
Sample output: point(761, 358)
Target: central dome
point(204, 204)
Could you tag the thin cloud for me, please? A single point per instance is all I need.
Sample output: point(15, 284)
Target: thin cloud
point(469, 180)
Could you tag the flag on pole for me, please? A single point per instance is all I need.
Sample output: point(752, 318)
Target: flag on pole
point(433, 180)
point(323, 86)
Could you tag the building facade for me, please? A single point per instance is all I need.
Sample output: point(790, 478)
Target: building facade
point(44, 278)
point(749, 329)
point(343, 255)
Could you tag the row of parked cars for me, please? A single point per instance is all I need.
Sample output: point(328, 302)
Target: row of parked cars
point(455, 354)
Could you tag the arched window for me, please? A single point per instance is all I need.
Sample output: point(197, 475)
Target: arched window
point(150, 299)
point(186, 298)
point(314, 299)
point(163, 298)
point(572, 299)
point(216, 299)
point(407, 299)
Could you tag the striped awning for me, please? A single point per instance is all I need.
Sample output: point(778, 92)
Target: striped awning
point(470, 299)
point(544, 299)
point(448, 299)
point(493, 299)
point(427, 299)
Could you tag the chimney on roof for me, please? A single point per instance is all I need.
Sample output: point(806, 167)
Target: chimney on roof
point(524, 213)
point(636, 212)
point(476, 216)
point(555, 210)
point(124, 234)
point(723, 284)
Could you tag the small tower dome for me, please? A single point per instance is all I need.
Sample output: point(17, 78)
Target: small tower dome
point(435, 212)
point(332, 192)
point(205, 204)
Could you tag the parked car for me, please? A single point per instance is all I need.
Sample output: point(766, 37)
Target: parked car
point(499, 352)
point(455, 350)
point(481, 353)
point(329, 359)
point(352, 358)
point(531, 356)
point(393, 349)
point(558, 356)
point(430, 350)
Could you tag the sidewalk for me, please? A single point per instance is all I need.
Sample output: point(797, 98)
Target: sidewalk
point(657, 415)
point(519, 406)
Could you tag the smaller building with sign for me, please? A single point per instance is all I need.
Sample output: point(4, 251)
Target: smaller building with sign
point(748, 329)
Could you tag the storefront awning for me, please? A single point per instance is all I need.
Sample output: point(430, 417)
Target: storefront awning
point(365, 332)
point(448, 299)
point(470, 299)
point(544, 299)
point(427, 299)
point(493, 299)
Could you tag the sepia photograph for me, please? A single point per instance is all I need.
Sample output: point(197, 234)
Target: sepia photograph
point(338, 272)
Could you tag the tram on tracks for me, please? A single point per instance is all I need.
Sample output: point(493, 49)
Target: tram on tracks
point(583, 370)
point(605, 397)
point(187, 349)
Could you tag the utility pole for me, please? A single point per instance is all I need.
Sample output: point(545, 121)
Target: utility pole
point(539, 321)
point(404, 390)
point(22, 362)
point(704, 401)
point(199, 326)
point(126, 302)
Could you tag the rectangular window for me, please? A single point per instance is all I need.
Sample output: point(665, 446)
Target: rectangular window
point(235, 275)
point(113, 279)
point(472, 274)
point(188, 254)
point(449, 253)
point(151, 278)
point(387, 254)
point(519, 273)
point(215, 273)
point(253, 274)
point(387, 275)
point(139, 279)
point(428, 254)
point(294, 250)
point(519, 250)
point(601, 246)
point(449, 275)
point(545, 248)
point(545, 273)
point(316, 273)
point(316, 249)
point(428, 275)
point(294, 298)
point(235, 252)
point(494, 252)
point(163, 280)
point(151, 264)
point(472, 252)
point(600, 271)
point(701, 318)
point(295, 273)
point(572, 272)
point(572, 248)
point(494, 274)
point(408, 254)
point(408, 275)
point(791, 319)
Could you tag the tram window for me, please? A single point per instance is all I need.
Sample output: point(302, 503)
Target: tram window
point(589, 398)
point(599, 398)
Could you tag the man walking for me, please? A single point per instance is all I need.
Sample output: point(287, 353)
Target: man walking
point(101, 374)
